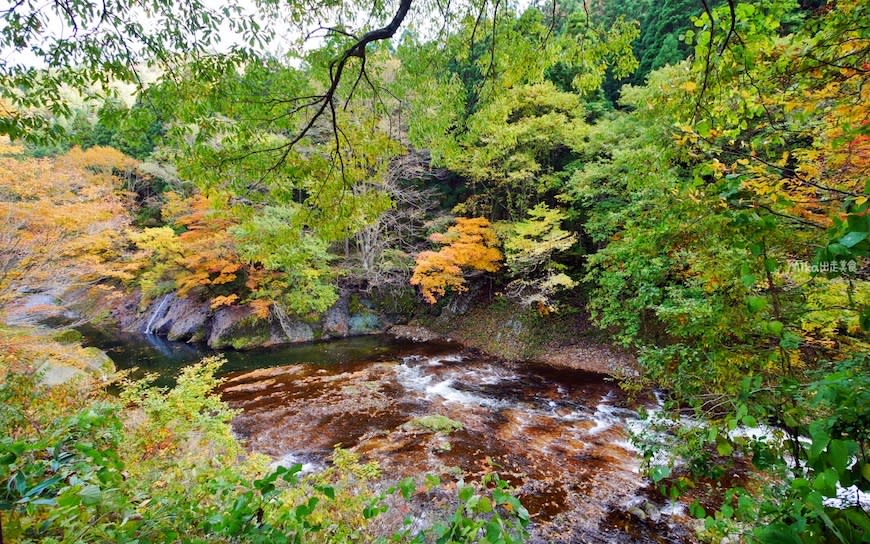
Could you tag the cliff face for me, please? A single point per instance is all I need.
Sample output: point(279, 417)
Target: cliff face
point(189, 319)
point(239, 327)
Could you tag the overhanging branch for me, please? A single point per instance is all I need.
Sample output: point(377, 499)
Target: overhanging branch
point(326, 101)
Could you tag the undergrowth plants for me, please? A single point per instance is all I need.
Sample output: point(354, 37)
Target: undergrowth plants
point(152, 465)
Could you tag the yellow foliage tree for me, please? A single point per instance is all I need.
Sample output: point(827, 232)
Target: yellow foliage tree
point(470, 244)
point(63, 218)
point(199, 260)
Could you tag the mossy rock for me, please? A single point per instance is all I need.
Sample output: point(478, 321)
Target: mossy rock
point(253, 339)
point(403, 301)
point(239, 329)
point(363, 323)
point(96, 360)
point(443, 446)
point(355, 305)
point(103, 318)
point(67, 336)
point(435, 423)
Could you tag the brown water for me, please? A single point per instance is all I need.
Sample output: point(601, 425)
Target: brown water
point(559, 436)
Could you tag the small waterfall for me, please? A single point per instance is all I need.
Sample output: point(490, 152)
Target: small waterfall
point(155, 314)
point(283, 320)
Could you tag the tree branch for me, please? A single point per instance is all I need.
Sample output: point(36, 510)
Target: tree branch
point(336, 70)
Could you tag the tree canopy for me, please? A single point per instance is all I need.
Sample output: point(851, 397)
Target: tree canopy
point(692, 176)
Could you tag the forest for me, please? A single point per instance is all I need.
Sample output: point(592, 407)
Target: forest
point(435, 271)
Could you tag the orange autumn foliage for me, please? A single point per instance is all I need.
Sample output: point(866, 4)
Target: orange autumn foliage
point(471, 244)
point(63, 218)
point(201, 260)
point(208, 256)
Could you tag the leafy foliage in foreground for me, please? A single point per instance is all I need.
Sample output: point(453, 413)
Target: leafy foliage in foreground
point(171, 469)
point(729, 212)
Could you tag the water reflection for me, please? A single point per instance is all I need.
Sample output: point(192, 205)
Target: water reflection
point(150, 353)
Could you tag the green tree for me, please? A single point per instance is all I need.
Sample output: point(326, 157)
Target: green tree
point(304, 280)
point(531, 247)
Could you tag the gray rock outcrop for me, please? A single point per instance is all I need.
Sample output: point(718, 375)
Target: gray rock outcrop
point(239, 327)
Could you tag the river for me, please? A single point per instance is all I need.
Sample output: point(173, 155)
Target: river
point(559, 436)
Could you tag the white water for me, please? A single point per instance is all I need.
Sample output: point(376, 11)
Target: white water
point(411, 377)
point(290, 459)
point(566, 442)
point(155, 314)
point(283, 320)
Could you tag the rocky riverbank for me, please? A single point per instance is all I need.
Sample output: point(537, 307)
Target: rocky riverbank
point(498, 327)
point(582, 354)
point(514, 333)
point(189, 319)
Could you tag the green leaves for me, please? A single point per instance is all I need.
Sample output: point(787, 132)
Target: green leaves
point(276, 240)
point(756, 303)
point(659, 473)
point(512, 149)
point(853, 238)
point(531, 247)
point(790, 340)
point(114, 49)
point(83, 473)
point(723, 446)
point(90, 495)
point(408, 486)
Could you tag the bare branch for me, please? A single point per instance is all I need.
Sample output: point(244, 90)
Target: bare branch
point(707, 60)
point(336, 71)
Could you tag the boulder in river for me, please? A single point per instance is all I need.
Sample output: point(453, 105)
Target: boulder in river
point(74, 362)
point(351, 315)
point(187, 319)
point(178, 318)
point(238, 327)
point(335, 320)
point(288, 330)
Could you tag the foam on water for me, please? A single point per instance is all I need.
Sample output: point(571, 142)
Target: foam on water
point(607, 416)
point(674, 508)
point(848, 497)
point(412, 376)
point(290, 459)
point(446, 391)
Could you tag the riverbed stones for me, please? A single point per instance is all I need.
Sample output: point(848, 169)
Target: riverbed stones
point(55, 374)
point(413, 333)
point(96, 361)
point(434, 423)
point(652, 511)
